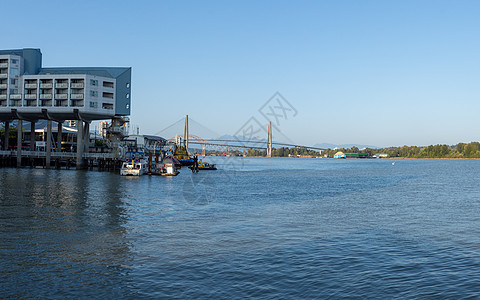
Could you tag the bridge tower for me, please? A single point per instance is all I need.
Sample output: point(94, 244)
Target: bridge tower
point(269, 140)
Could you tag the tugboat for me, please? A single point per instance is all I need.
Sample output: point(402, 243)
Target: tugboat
point(203, 166)
point(182, 156)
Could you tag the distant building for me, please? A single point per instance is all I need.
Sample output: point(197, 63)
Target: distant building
point(339, 154)
point(102, 128)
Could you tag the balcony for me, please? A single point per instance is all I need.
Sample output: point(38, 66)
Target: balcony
point(61, 85)
point(77, 85)
point(30, 85)
point(3, 97)
point(3, 75)
point(4, 65)
point(61, 96)
point(30, 96)
point(16, 97)
point(76, 96)
point(45, 96)
point(3, 86)
point(46, 85)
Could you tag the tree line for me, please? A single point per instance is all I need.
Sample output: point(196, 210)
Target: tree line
point(460, 150)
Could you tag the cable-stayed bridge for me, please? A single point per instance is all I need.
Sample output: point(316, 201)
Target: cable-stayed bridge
point(214, 141)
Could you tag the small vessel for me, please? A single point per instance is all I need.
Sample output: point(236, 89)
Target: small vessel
point(203, 166)
point(133, 167)
point(167, 167)
point(182, 156)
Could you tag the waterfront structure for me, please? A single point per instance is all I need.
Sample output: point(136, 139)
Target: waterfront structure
point(30, 92)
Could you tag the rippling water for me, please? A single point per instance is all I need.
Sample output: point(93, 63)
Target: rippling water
point(263, 228)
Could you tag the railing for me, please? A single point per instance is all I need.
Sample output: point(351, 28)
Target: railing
point(30, 85)
point(3, 96)
point(15, 96)
point(13, 153)
point(46, 85)
point(3, 75)
point(61, 96)
point(4, 65)
point(76, 85)
point(45, 96)
point(76, 96)
point(3, 86)
point(61, 85)
point(31, 96)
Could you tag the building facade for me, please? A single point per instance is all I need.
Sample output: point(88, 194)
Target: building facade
point(30, 92)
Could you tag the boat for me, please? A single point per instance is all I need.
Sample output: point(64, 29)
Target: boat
point(182, 156)
point(203, 166)
point(134, 165)
point(167, 167)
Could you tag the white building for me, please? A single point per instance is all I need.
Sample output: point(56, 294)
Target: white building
point(30, 92)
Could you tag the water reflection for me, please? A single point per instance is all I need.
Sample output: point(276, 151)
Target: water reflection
point(68, 224)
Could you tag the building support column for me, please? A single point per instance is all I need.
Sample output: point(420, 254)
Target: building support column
point(7, 133)
point(32, 136)
point(48, 154)
point(19, 143)
point(80, 146)
point(59, 137)
point(86, 136)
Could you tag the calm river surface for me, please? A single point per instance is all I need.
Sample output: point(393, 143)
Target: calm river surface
point(258, 228)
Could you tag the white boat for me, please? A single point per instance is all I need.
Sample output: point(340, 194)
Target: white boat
point(133, 167)
point(167, 167)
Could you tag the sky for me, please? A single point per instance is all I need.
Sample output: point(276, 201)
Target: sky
point(383, 73)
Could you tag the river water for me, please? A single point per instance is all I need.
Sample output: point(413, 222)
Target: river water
point(256, 228)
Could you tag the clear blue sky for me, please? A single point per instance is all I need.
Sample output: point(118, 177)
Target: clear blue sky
point(383, 73)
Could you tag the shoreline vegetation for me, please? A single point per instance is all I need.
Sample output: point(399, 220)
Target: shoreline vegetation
point(458, 151)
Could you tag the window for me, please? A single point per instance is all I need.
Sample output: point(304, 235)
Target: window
point(128, 85)
point(13, 81)
point(14, 61)
point(94, 93)
point(127, 96)
point(108, 84)
point(107, 95)
point(107, 106)
point(14, 71)
point(93, 104)
point(93, 82)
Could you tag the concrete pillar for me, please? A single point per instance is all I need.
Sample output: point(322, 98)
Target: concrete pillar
point(7, 133)
point(49, 144)
point(86, 136)
point(32, 136)
point(59, 137)
point(19, 143)
point(80, 146)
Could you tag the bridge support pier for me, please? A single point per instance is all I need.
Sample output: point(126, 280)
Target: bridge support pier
point(48, 153)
